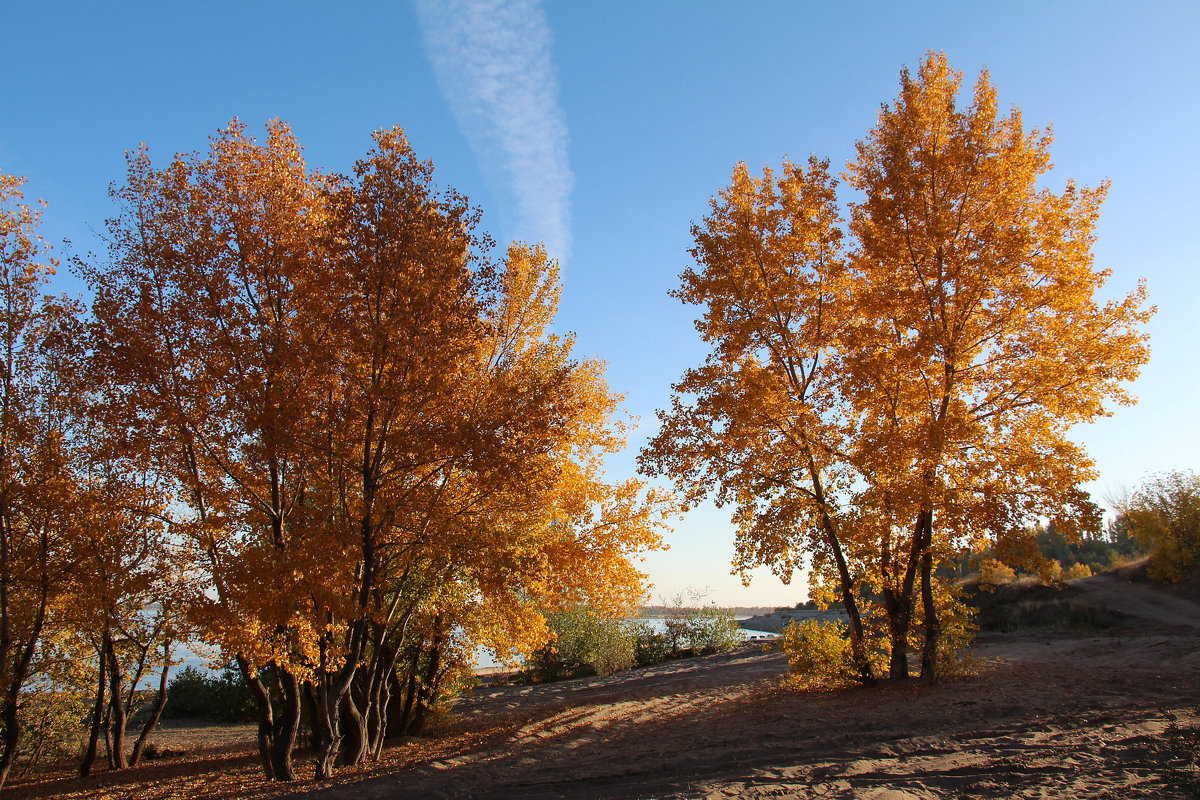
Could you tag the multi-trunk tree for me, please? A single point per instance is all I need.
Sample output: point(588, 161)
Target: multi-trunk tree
point(880, 408)
point(369, 430)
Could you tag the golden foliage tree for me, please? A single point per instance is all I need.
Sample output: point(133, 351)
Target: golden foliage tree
point(769, 428)
point(369, 431)
point(1163, 515)
point(37, 493)
point(211, 316)
point(923, 403)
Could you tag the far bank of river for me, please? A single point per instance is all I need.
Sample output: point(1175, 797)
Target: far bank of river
point(485, 662)
point(760, 628)
point(775, 622)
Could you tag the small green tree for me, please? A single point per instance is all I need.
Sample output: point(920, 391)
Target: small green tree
point(223, 698)
point(650, 646)
point(53, 724)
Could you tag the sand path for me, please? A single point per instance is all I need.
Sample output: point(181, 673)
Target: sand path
point(1052, 714)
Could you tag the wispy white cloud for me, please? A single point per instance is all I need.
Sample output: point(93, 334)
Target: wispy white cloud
point(493, 64)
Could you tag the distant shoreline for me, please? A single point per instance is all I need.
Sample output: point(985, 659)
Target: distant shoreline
point(777, 620)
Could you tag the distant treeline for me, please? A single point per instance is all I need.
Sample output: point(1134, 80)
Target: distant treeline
point(665, 612)
point(1105, 550)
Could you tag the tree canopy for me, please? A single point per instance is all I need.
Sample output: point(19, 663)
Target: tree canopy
point(313, 420)
point(889, 386)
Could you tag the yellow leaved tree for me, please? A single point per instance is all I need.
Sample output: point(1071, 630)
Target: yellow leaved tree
point(374, 445)
point(37, 490)
point(881, 407)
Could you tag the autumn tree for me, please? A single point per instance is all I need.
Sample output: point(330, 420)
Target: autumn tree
point(960, 341)
point(123, 597)
point(36, 491)
point(768, 428)
point(396, 413)
point(368, 430)
point(513, 514)
point(1163, 516)
point(210, 314)
point(993, 344)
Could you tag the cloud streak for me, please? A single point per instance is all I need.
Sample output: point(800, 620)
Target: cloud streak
point(493, 65)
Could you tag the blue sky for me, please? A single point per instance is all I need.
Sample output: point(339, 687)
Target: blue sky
point(604, 127)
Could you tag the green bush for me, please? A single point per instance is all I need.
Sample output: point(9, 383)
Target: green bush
point(584, 643)
point(54, 725)
point(223, 698)
point(712, 630)
point(649, 645)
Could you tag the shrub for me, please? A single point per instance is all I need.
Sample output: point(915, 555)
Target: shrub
point(712, 630)
point(54, 725)
point(1018, 606)
point(958, 628)
point(1181, 746)
point(649, 646)
point(1164, 515)
point(583, 643)
point(819, 655)
point(613, 649)
point(995, 573)
point(1049, 570)
point(1077, 571)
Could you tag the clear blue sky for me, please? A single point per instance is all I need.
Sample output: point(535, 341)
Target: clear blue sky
point(604, 127)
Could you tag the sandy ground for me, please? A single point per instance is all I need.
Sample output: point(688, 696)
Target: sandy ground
point(1051, 714)
point(1066, 714)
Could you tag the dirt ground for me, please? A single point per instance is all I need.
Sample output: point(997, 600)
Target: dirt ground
point(1050, 713)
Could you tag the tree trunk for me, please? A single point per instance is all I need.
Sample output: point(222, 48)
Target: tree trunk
point(899, 605)
point(899, 614)
point(410, 699)
point(159, 704)
point(933, 628)
point(266, 720)
point(12, 729)
point(353, 748)
point(117, 716)
point(327, 720)
point(316, 735)
point(377, 719)
point(286, 727)
point(333, 690)
point(105, 726)
point(89, 755)
point(384, 668)
point(857, 643)
point(20, 668)
point(428, 687)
